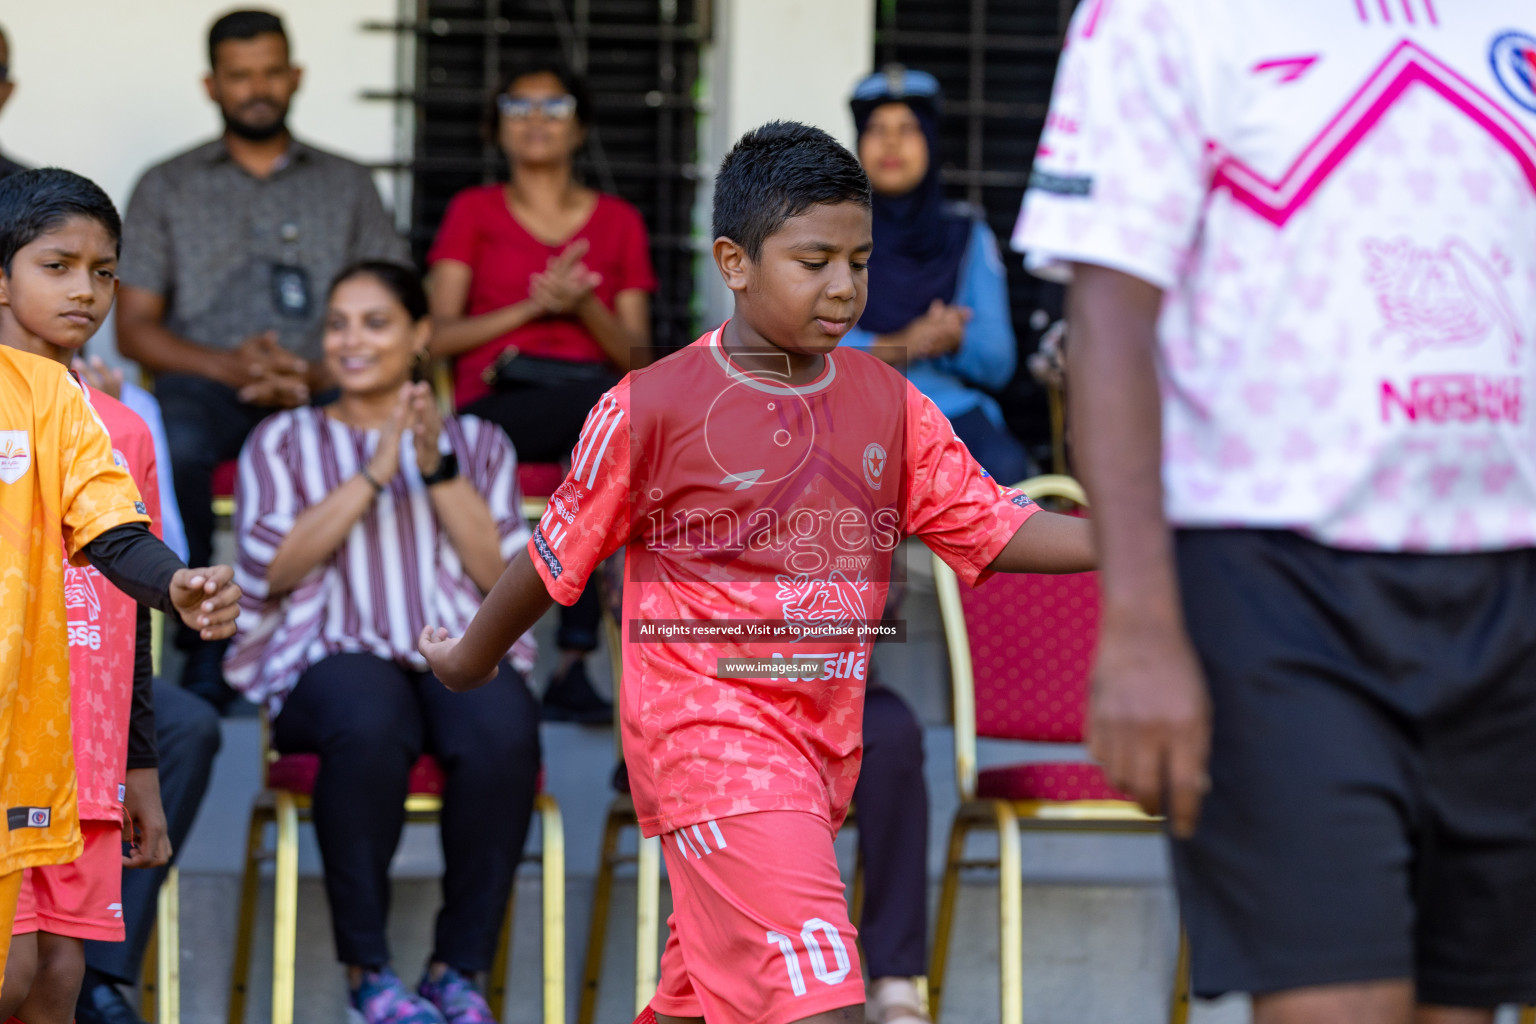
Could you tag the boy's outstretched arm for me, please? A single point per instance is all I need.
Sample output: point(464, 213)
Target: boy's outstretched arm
point(141, 566)
point(509, 610)
point(1048, 542)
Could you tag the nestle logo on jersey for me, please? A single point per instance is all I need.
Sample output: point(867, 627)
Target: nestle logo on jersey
point(28, 817)
point(1453, 398)
point(566, 501)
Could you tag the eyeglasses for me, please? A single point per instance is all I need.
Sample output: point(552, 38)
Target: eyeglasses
point(556, 108)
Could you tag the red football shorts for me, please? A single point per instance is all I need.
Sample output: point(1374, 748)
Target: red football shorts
point(82, 899)
point(759, 932)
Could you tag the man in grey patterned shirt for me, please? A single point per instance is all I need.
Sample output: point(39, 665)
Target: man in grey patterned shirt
point(227, 253)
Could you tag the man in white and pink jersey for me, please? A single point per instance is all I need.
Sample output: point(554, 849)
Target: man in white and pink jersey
point(1302, 245)
point(759, 482)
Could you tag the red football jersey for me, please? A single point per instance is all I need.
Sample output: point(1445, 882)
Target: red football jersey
point(102, 622)
point(762, 511)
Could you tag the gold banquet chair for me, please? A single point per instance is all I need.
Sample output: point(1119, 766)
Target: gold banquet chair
point(160, 974)
point(285, 802)
point(647, 860)
point(1024, 678)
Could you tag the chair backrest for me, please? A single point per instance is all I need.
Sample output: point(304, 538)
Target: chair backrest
point(1020, 650)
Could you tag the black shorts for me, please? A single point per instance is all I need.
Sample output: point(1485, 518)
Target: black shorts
point(1372, 812)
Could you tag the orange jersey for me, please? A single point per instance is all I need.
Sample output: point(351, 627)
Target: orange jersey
point(745, 505)
point(102, 630)
point(58, 486)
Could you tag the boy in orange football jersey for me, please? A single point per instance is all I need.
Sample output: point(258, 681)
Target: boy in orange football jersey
point(64, 490)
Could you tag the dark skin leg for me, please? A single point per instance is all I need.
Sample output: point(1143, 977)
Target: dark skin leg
point(844, 1015)
point(1377, 1002)
point(56, 987)
point(20, 969)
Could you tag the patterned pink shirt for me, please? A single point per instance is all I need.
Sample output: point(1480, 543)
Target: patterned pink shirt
point(1339, 199)
point(741, 501)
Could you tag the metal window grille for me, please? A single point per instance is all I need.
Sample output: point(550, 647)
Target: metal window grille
point(996, 60)
point(641, 62)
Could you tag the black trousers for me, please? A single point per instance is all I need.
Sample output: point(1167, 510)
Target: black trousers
point(187, 733)
point(891, 799)
point(544, 424)
point(205, 424)
point(369, 720)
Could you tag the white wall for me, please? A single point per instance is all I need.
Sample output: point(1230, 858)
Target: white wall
point(777, 59)
point(110, 87)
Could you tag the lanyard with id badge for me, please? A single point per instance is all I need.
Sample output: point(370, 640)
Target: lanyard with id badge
point(292, 295)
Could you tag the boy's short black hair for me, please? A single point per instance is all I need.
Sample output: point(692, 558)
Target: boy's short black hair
point(779, 171)
point(33, 203)
point(243, 25)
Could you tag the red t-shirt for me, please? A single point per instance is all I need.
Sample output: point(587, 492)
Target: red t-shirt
point(102, 624)
point(755, 503)
point(479, 231)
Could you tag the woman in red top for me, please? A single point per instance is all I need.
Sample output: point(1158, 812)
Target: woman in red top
point(541, 264)
point(551, 269)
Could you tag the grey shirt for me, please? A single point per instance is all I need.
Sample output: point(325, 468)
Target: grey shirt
point(234, 255)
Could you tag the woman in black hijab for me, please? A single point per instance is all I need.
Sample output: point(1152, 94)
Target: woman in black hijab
point(938, 293)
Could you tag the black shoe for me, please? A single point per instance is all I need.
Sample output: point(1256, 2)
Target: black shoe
point(570, 698)
point(102, 1002)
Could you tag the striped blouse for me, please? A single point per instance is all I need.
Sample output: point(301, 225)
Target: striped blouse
point(396, 571)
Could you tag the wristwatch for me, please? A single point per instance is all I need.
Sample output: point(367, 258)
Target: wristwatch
point(447, 469)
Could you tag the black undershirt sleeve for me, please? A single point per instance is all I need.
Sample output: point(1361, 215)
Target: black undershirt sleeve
point(142, 750)
point(138, 564)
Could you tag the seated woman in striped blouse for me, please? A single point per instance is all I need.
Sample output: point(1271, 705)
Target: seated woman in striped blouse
point(357, 524)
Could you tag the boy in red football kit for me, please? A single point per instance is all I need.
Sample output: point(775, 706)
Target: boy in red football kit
point(760, 481)
point(58, 245)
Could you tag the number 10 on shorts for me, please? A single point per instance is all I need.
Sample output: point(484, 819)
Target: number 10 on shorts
point(809, 936)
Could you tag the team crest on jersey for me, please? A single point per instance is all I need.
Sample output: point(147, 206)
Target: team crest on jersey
point(15, 455)
point(874, 463)
point(28, 817)
point(1513, 56)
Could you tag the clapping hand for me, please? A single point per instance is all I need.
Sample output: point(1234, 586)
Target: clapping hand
point(426, 425)
point(385, 462)
point(565, 282)
point(937, 332)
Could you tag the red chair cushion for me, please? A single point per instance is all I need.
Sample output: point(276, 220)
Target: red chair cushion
point(1032, 640)
point(1054, 780)
point(539, 479)
point(224, 478)
point(296, 773)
